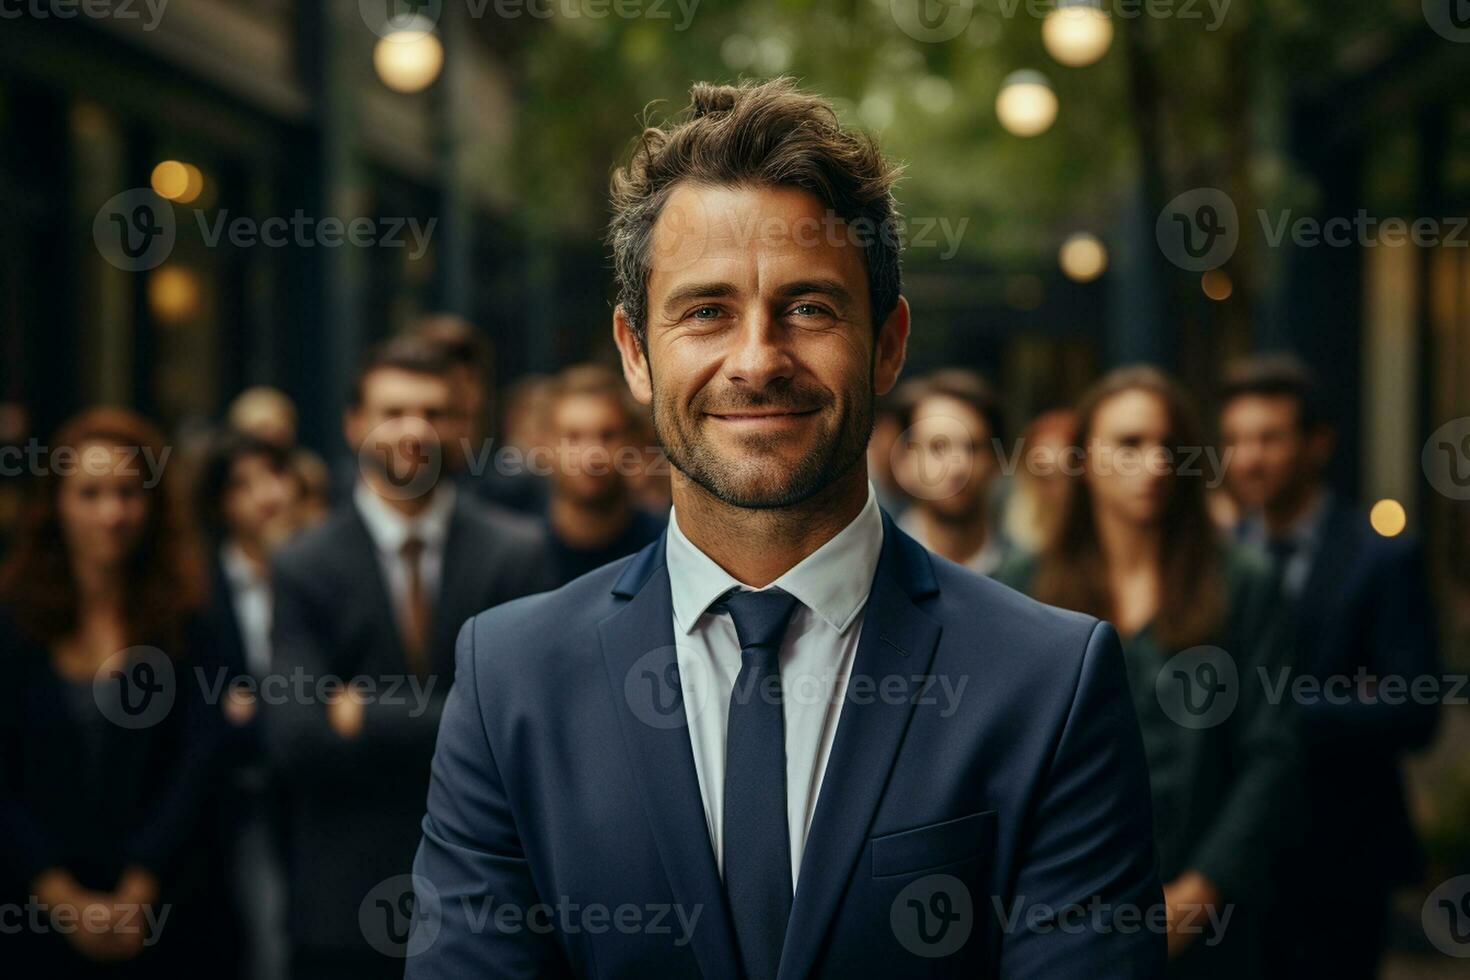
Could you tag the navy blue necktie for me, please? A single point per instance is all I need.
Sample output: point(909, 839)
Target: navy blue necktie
point(757, 842)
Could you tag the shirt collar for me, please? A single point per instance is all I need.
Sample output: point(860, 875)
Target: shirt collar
point(833, 581)
point(389, 529)
point(241, 572)
point(1303, 532)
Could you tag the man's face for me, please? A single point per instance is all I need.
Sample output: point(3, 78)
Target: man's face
point(1268, 449)
point(760, 360)
point(952, 463)
point(400, 418)
point(590, 431)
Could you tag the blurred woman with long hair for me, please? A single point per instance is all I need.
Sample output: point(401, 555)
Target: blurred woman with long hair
point(1205, 644)
point(105, 740)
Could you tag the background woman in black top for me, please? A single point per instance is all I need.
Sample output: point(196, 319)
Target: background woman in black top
point(105, 737)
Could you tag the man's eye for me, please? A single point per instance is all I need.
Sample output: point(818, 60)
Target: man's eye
point(808, 309)
point(704, 312)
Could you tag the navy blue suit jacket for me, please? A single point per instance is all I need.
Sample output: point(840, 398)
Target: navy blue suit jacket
point(566, 836)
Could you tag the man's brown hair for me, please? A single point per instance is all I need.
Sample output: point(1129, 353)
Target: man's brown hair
point(403, 352)
point(962, 385)
point(1276, 374)
point(766, 134)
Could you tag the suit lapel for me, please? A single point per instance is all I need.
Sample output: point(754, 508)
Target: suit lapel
point(638, 650)
point(898, 639)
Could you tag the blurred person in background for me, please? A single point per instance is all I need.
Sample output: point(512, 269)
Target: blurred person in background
point(524, 417)
point(105, 739)
point(269, 414)
point(592, 518)
point(1135, 545)
point(1363, 616)
point(247, 497)
point(468, 448)
point(266, 413)
point(651, 483)
point(378, 593)
point(952, 432)
point(888, 425)
point(1038, 497)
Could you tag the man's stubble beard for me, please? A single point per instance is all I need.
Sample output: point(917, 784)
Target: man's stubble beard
point(833, 456)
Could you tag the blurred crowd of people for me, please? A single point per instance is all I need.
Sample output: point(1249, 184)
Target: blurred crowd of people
point(307, 615)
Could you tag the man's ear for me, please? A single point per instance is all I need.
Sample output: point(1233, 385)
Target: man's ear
point(635, 361)
point(890, 348)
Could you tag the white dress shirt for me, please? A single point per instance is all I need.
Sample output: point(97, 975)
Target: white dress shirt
point(250, 596)
point(1305, 534)
point(389, 529)
point(831, 586)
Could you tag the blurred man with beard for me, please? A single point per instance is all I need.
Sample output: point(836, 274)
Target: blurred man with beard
point(592, 518)
point(372, 599)
point(1363, 618)
point(952, 438)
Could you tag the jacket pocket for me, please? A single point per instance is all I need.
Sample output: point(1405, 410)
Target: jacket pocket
point(934, 846)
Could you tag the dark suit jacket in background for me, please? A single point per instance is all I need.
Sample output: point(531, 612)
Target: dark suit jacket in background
point(557, 780)
point(353, 806)
point(1366, 605)
point(144, 801)
point(1365, 609)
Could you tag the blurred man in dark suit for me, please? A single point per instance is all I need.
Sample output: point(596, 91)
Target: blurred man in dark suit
point(1365, 629)
point(592, 518)
point(373, 599)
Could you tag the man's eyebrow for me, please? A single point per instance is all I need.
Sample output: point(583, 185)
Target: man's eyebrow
point(821, 287)
point(697, 290)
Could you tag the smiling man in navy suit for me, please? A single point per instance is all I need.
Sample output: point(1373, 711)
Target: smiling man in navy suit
point(783, 741)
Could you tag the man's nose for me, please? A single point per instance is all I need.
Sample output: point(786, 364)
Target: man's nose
point(761, 352)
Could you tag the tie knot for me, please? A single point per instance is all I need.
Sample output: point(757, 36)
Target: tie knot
point(760, 617)
point(412, 548)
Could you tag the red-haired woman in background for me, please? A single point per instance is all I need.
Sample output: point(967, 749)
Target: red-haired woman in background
point(1203, 635)
point(105, 738)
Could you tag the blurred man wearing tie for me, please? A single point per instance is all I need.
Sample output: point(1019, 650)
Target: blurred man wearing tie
point(1364, 618)
point(365, 611)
